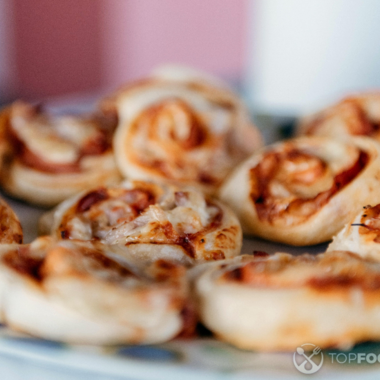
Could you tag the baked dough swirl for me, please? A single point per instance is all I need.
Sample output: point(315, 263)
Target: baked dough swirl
point(51, 158)
point(10, 227)
point(303, 191)
point(276, 303)
point(80, 292)
point(361, 234)
point(181, 126)
point(153, 221)
point(352, 116)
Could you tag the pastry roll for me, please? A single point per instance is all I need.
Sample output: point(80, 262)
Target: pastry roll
point(4, 144)
point(181, 126)
point(52, 158)
point(303, 191)
point(80, 292)
point(11, 231)
point(361, 234)
point(279, 302)
point(153, 221)
point(352, 116)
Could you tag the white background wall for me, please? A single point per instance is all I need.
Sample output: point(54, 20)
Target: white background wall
point(304, 53)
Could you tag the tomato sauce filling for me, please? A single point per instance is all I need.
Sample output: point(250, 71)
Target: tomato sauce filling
point(95, 146)
point(136, 201)
point(187, 241)
point(355, 117)
point(267, 205)
point(22, 261)
point(335, 271)
point(25, 262)
point(132, 204)
point(168, 115)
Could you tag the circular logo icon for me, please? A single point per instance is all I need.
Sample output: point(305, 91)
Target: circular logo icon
point(308, 358)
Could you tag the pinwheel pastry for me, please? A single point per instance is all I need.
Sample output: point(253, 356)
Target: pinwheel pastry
point(303, 191)
point(282, 301)
point(10, 227)
point(181, 126)
point(153, 221)
point(354, 115)
point(4, 145)
point(361, 234)
point(51, 158)
point(81, 292)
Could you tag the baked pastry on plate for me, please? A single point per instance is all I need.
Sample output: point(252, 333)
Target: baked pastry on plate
point(10, 227)
point(282, 301)
point(152, 220)
point(4, 144)
point(303, 191)
point(80, 292)
point(181, 126)
point(354, 115)
point(361, 234)
point(51, 158)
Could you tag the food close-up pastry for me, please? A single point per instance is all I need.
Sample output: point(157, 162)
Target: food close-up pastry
point(50, 158)
point(10, 227)
point(280, 302)
point(78, 292)
point(361, 234)
point(151, 221)
point(352, 116)
point(303, 191)
point(181, 126)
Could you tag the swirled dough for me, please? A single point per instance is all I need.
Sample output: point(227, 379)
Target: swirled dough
point(303, 191)
point(353, 116)
point(152, 220)
point(183, 127)
point(279, 302)
point(51, 158)
point(82, 292)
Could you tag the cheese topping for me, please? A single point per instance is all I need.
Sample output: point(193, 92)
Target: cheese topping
point(123, 216)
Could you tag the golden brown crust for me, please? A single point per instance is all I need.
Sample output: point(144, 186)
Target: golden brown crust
point(10, 227)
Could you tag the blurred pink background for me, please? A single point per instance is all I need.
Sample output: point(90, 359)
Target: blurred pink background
point(61, 47)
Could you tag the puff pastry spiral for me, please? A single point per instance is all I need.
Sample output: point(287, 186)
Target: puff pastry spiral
point(81, 292)
point(181, 126)
point(279, 302)
point(51, 158)
point(303, 191)
point(152, 220)
point(353, 116)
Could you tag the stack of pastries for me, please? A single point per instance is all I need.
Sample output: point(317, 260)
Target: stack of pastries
point(152, 195)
